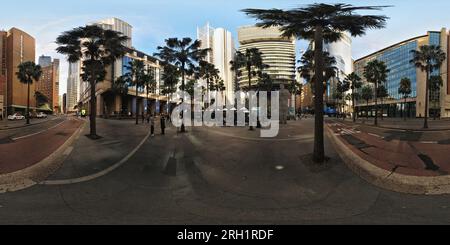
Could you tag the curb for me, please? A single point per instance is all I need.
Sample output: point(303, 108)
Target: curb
point(386, 179)
point(401, 129)
point(27, 125)
point(32, 175)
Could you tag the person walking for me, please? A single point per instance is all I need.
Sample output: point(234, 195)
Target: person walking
point(148, 118)
point(152, 125)
point(143, 118)
point(163, 124)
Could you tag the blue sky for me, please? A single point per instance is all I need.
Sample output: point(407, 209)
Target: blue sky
point(155, 20)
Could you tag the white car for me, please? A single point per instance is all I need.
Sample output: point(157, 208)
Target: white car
point(16, 116)
point(41, 115)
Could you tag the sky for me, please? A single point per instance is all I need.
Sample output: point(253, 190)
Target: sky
point(155, 20)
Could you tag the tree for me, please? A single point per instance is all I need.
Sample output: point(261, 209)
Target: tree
point(28, 72)
point(367, 94)
point(41, 99)
point(428, 58)
point(96, 48)
point(319, 22)
point(376, 72)
point(185, 55)
point(295, 88)
point(341, 88)
point(135, 77)
point(210, 73)
point(149, 82)
point(435, 84)
point(355, 83)
point(307, 67)
point(251, 61)
point(382, 93)
point(405, 90)
point(170, 78)
point(120, 87)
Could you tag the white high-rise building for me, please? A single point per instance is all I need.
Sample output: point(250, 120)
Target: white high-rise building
point(278, 53)
point(221, 43)
point(118, 25)
point(73, 86)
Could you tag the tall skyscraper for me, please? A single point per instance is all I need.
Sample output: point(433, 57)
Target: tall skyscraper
point(20, 47)
point(118, 25)
point(221, 43)
point(3, 35)
point(48, 85)
point(44, 60)
point(278, 52)
point(73, 86)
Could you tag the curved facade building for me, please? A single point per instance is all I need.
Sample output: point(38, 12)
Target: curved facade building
point(278, 52)
point(397, 58)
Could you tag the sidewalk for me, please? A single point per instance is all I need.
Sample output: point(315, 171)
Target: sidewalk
point(88, 157)
point(417, 167)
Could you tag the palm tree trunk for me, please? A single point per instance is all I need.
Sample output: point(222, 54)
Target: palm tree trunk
point(93, 112)
point(249, 69)
point(353, 106)
point(319, 151)
point(183, 129)
point(376, 105)
point(367, 110)
point(137, 106)
point(28, 103)
point(404, 110)
point(425, 122)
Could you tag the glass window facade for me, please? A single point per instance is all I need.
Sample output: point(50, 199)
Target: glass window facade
point(398, 62)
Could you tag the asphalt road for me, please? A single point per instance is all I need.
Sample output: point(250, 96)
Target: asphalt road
point(224, 176)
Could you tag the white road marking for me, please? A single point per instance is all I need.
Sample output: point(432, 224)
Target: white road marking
point(33, 134)
point(428, 142)
point(376, 135)
point(68, 151)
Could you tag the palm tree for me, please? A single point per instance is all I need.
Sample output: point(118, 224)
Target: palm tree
point(149, 82)
point(355, 83)
point(382, 93)
point(210, 73)
point(184, 54)
point(405, 90)
point(307, 67)
point(367, 94)
point(170, 78)
point(251, 60)
point(295, 88)
point(28, 72)
point(135, 77)
point(341, 88)
point(120, 87)
point(428, 58)
point(96, 48)
point(319, 22)
point(376, 72)
point(435, 84)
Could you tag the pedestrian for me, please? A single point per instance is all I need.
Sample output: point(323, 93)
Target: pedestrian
point(163, 124)
point(152, 125)
point(148, 118)
point(143, 118)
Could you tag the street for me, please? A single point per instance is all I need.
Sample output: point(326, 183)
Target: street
point(215, 176)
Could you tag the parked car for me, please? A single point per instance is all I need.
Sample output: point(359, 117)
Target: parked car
point(41, 115)
point(16, 116)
